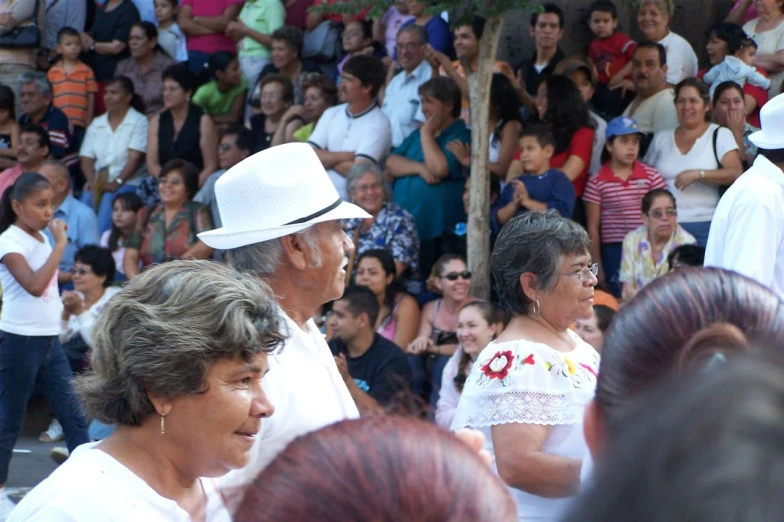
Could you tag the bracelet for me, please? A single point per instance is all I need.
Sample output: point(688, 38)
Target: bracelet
point(702, 174)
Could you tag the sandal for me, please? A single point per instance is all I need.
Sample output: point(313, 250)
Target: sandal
point(53, 434)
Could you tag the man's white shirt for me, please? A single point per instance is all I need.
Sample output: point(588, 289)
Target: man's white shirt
point(402, 104)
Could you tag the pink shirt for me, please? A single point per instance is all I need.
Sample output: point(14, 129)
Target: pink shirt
point(750, 14)
point(9, 176)
point(210, 43)
point(449, 395)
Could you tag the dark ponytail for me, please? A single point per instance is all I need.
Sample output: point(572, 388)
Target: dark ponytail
point(126, 85)
point(25, 185)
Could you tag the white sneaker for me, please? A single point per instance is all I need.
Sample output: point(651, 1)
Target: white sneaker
point(59, 454)
point(53, 434)
point(6, 505)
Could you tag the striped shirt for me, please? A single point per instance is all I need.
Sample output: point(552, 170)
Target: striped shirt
point(71, 91)
point(620, 200)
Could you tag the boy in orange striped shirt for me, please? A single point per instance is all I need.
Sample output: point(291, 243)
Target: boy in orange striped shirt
point(73, 83)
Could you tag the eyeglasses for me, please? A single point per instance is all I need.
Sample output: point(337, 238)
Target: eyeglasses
point(582, 274)
point(658, 214)
point(81, 271)
point(453, 276)
point(369, 188)
point(270, 97)
point(407, 47)
point(166, 181)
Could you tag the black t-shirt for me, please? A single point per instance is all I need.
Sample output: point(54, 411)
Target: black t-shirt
point(382, 372)
point(114, 25)
point(532, 77)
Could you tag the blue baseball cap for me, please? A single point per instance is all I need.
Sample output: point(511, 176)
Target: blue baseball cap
point(621, 126)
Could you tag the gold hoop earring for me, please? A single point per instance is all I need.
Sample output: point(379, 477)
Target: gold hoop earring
point(536, 309)
point(163, 426)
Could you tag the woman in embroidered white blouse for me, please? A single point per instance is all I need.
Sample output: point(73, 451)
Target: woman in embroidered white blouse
point(528, 389)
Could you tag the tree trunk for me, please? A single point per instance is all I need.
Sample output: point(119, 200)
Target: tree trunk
point(479, 209)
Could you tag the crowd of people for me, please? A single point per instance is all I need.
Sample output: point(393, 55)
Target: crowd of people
point(306, 173)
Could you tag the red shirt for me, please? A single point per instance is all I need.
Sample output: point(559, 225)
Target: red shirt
point(210, 43)
point(620, 200)
point(297, 13)
point(610, 55)
point(9, 176)
point(338, 17)
point(759, 94)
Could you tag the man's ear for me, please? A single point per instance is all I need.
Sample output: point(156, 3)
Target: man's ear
point(594, 430)
point(296, 250)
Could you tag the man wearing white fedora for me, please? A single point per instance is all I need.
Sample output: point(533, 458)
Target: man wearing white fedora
point(281, 221)
point(747, 232)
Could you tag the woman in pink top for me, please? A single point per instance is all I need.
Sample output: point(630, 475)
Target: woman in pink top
point(205, 22)
point(742, 11)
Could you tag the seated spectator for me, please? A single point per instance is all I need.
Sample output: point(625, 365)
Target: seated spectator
point(93, 276)
point(653, 19)
point(728, 109)
point(277, 96)
point(438, 35)
point(14, 60)
point(320, 95)
point(181, 131)
point(547, 30)
point(82, 226)
point(125, 211)
point(358, 39)
point(686, 256)
point(158, 239)
point(113, 151)
point(37, 107)
point(724, 40)
point(223, 98)
point(695, 158)
point(468, 38)
point(645, 250)
point(386, 28)
point(506, 124)
point(428, 180)
point(146, 65)
point(401, 93)
point(613, 197)
point(583, 74)
point(31, 152)
point(170, 37)
point(540, 187)
point(285, 51)
point(374, 369)
point(205, 23)
point(592, 330)
point(478, 324)
point(356, 131)
point(437, 336)
point(768, 32)
point(9, 129)
point(106, 44)
point(389, 227)
point(738, 68)
point(455, 240)
point(654, 106)
point(235, 145)
point(560, 105)
point(398, 316)
point(252, 30)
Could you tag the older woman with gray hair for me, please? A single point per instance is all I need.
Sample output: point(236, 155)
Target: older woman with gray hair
point(389, 228)
point(183, 385)
point(529, 387)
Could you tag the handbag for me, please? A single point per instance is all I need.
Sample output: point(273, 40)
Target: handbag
point(25, 37)
point(322, 43)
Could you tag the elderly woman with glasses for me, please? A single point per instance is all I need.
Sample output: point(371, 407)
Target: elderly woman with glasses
point(528, 388)
point(646, 249)
point(182, 383)
point(389, 228)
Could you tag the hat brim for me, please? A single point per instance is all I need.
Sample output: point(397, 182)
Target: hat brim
point(224, 238)
point(767, 140)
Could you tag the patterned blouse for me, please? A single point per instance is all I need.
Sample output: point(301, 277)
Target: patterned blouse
point(637, 264)
point(157, 243)
point(393, 230)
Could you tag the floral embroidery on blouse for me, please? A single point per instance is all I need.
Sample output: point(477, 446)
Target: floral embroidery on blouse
point(393, 230)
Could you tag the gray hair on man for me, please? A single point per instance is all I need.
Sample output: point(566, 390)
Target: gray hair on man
point(418, 30)
point(164, 330)
point(535, 242)
point(263, 259)
point(38, 78)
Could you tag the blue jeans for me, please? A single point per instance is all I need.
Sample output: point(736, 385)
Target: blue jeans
point(23, 360)
point(611, 263)
point(699, 230)
point(104, 209)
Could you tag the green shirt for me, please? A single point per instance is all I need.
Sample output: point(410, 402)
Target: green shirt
point(216, 103)
point(263, 16)
point(303, 133)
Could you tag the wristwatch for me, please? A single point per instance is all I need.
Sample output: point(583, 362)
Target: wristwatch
point(119, 181)
point(92, 47)
point(702, 174)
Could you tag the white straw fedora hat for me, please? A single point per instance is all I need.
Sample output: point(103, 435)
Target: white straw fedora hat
point(771, 137)
point(274, 193)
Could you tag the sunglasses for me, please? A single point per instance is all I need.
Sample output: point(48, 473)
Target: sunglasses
point(658, 214)
point(453, 276)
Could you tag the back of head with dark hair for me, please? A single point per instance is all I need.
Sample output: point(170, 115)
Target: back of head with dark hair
point(43, 136)
point(650, 197)
point(398, 469)
point(220, 60)
point(445, 90)
point(542, 133)
point(566, 111)
point(66, 31)
point(24, 186)
point(361, 300)
point(244, 137)
point(647, 44)
point(548, 9)
point(687, 255)
point(368, 70)
point(655, 334)
point(99, 260)
point(604, 315)
point(8, 100)
point(603, 6)
point(188, 171)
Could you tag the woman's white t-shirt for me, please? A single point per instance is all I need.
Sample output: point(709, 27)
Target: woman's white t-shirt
point(23, 313)
point(530, 383)
point(768, 42)
point(697, 202)
point(681, 60)
point(92, 486)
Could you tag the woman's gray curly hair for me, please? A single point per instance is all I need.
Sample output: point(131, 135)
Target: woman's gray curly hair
point(164, 330)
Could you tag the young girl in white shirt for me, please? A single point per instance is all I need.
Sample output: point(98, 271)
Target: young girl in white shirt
point(30, 317)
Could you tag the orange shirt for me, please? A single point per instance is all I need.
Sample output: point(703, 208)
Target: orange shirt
point(71, 91)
